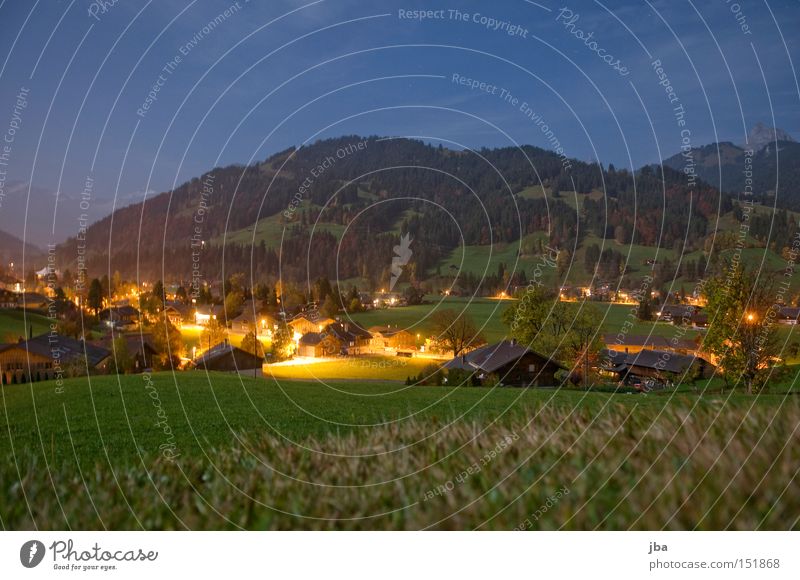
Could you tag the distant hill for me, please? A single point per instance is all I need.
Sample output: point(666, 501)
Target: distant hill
point(337, 209)
point(11, 249)
point(775, 169)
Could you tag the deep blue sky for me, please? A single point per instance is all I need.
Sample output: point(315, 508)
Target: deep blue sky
point(234, 99)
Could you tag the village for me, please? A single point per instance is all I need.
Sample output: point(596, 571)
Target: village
point(118, 327)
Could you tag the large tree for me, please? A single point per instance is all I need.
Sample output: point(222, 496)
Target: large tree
point(281, 346)
point(168, 343)
point(213, 333)
point(565, 331)
point(251, 344)
point(742, 334)
point(455, 332)
point(95, 296)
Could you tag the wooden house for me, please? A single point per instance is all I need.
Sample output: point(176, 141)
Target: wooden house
point(511, 363)
point(226, 357)
point(386, 338)
point(319, 345)
point(46, 357)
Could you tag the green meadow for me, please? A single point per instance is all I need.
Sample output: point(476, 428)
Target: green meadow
point(249, 453)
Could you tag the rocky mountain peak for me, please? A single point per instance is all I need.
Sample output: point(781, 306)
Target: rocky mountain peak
point(760, 136)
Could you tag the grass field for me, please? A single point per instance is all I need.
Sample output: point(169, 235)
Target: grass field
point(388, 368)
point(261, 455)
point(417, 319)
point(13, 324)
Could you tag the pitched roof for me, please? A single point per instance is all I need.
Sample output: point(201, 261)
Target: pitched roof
point(653, 359)
point(219, 350)
point(348, 332)
point(679, 310)
point(311, 338)
point(493, 357)
point(789, 312)
point(68, 349)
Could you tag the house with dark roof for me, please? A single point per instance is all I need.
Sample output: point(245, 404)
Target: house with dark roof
point(511, 362)
point(788, 315)
point(206, 312)
point(677, 313)
point(8, 299)
point(226, 357)
point(355, 340)
point(119, 316)
point(319, 345)
point(46, 356)
point(140, 347)
point(661, 365)
point(177, 313)
point(32, 301)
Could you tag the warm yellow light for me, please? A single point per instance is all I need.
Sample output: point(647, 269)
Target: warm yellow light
point(750, 317)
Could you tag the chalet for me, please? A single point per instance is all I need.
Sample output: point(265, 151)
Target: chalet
point(633, 343)
point(226, 357)
point(249, 320)
point(206, 312)
point(46, 357)
point(319, 345)
point(654, 364)
point(355, 340)
point(677, 313)
point(140, 347)
point(8, 299)
point(386, 338)
point(177, 313)
point(512, 364)
point(119, 316)
point(788, 315)
point(308, 323)
point(32, 301)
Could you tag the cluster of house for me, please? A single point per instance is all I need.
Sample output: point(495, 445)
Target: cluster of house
point(52, 356)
